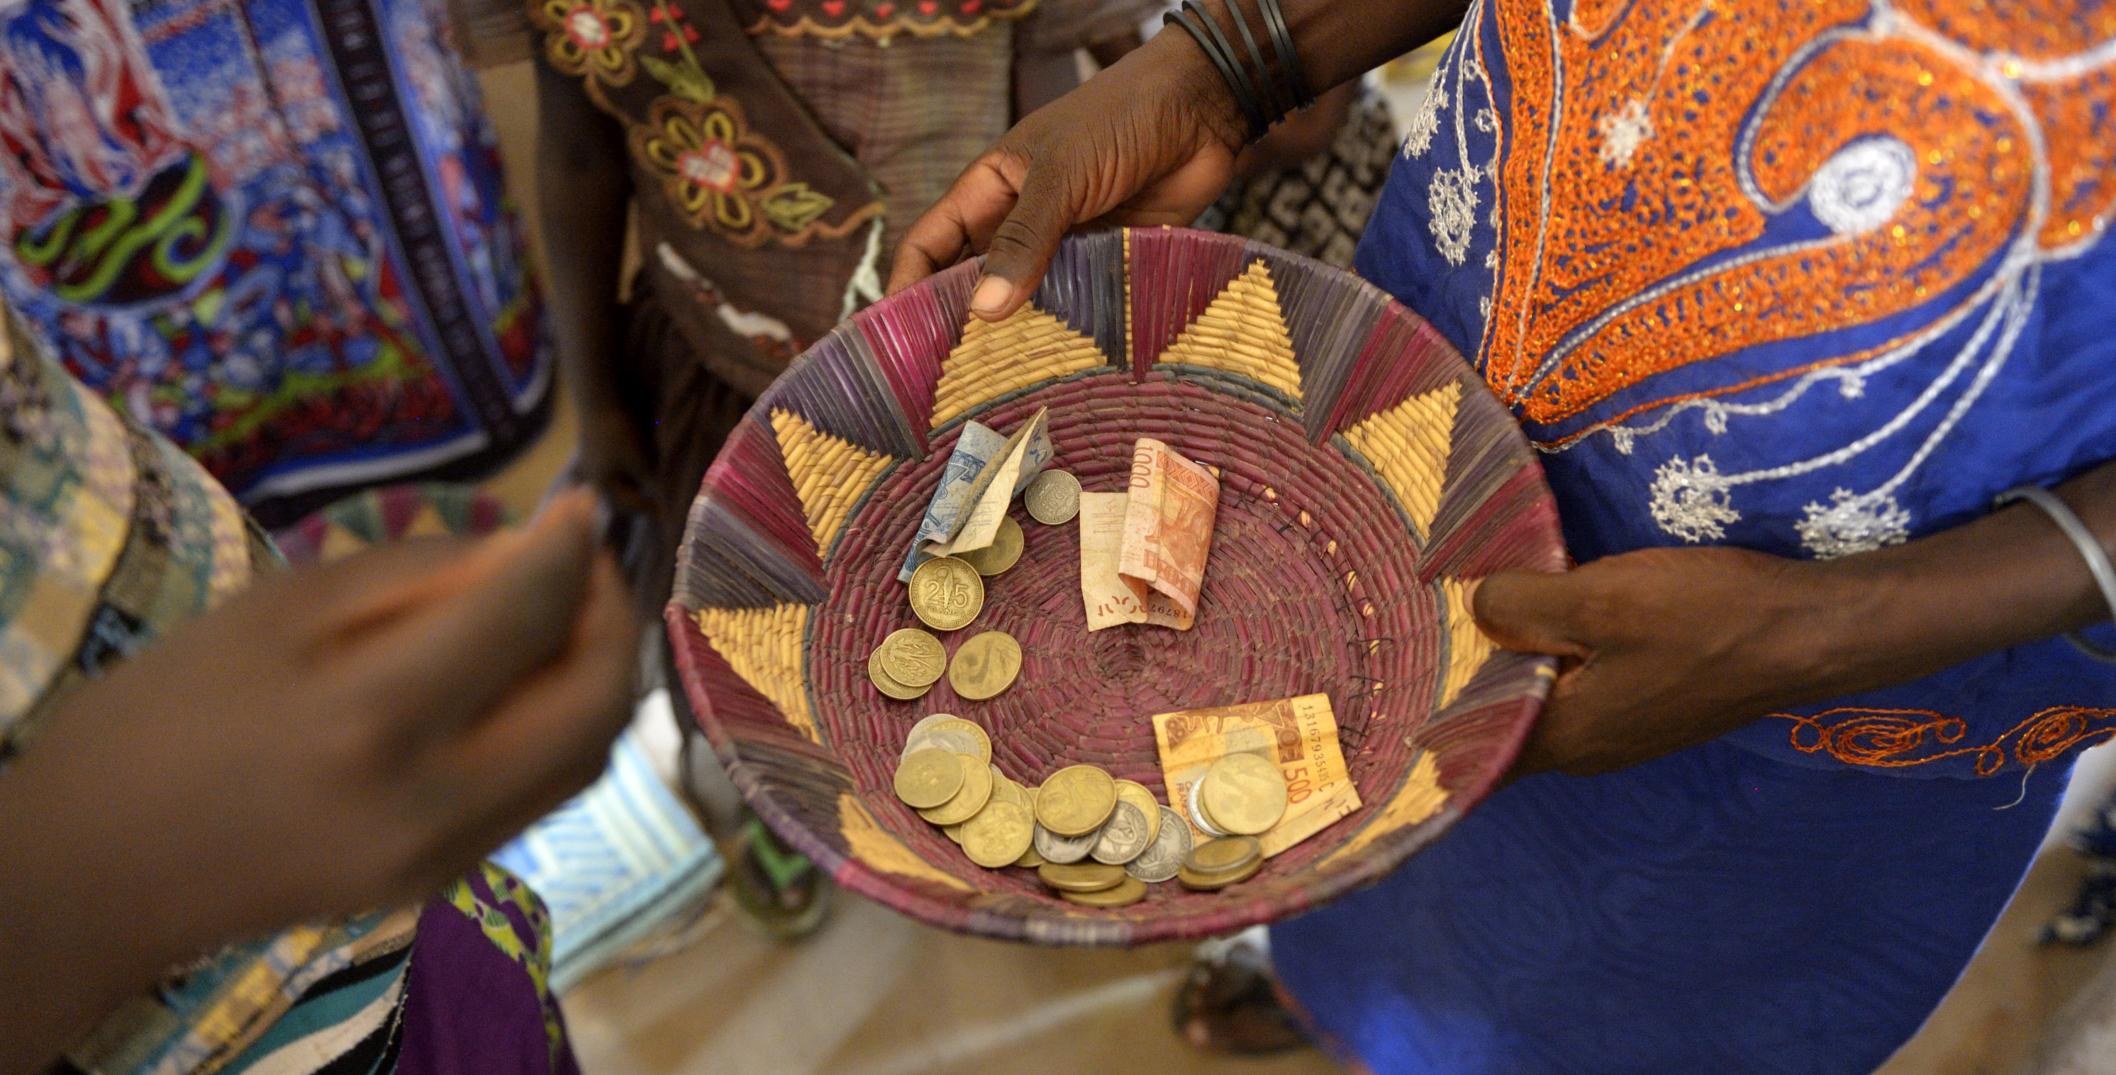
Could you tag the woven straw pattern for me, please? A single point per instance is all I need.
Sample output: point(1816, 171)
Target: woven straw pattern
point(1364, 479)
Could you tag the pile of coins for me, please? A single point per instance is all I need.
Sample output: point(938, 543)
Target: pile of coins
point(1093, 839)
point(948, 593)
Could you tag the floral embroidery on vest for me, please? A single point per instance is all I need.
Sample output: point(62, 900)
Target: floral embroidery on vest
point(594, 39)
point(727, 178)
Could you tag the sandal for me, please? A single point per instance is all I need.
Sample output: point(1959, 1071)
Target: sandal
point(780, 892)
point(1229, 1005)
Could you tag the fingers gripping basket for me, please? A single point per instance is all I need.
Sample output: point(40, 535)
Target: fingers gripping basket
point(1365, 475)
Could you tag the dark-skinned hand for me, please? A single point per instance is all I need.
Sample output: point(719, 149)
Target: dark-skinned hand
point(1150, 141)
point(332, 740)
point(1664, 648)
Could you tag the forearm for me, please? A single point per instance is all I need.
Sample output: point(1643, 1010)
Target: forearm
point(1340, 40)
point(582, 193)
point(69, 952)
point(2007, 578)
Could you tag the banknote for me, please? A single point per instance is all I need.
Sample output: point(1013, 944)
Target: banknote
point(1020, 459)
point(1299, 734)
point(975, 449)
point(1111, 598)
point(1168, 525)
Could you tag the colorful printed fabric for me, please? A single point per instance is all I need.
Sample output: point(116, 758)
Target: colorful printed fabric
point(109, 536)
point(274, 232)
point(1808, 278)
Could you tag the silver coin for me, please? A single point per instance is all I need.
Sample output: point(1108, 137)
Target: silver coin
point(1197, 815)
point(1163, 858)
point(1122, 837)
point(1064, 850)
point(1053, 498)
point(928, 721)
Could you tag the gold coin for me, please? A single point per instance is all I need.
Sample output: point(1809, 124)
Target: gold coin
point(1224, 856)
point(1075, 801)
point(1210, 882)
point(927, 778)
point(1085, 877)
point(952, 832)
point(1244, 794)
point(1135, 793)
point(1053, 498)
point(913, 658)
point(946, 593)
point(1004, 551)
point(976, 791)
point(985, 665)
point(1030, 858)
point(888, 684)
point(1128, 891)
point(1199, 816)
point(955, 735)
point(1004, 789)
point(997, 836)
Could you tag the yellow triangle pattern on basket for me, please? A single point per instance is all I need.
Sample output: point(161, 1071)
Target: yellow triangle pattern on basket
point(997, 358)
point(1467, 644)
point(868, 842)
point(763, 646)
point(1408, 445)
point(830, 473)
point(1243, 331)
point(1420, 797)
point(339, 543)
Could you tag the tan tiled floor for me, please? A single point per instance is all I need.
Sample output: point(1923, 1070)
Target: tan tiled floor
point(876, 994)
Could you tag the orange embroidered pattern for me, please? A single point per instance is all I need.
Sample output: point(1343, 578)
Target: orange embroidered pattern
point(1901, 738)
point(1652, 140)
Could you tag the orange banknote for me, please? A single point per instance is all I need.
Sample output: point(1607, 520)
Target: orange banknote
point(1168, 525)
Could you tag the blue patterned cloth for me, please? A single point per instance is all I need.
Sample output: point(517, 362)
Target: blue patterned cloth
point(274, 232)
point(613, 864)
point(1810, 279)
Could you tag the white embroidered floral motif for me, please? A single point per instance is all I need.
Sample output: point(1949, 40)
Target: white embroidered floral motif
point(1425, 122)
point(1852, 524)
point(1623, 131)
point(1716, 419)
point(1452, 199)
point(1691, 501)
point(1857, 190)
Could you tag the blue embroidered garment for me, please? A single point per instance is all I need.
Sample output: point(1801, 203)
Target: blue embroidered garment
point(273, 230)
point(1808, 278)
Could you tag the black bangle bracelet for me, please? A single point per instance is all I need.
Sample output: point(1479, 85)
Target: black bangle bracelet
point(1222, 57)
point(1275, 104)
point(1288, 60)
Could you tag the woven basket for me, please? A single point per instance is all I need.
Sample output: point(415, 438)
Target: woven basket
point(1365, 473)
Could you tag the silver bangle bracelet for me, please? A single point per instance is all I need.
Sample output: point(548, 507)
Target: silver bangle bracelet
point(2090, 550)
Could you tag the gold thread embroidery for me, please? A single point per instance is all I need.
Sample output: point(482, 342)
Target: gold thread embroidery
point(886, 28)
